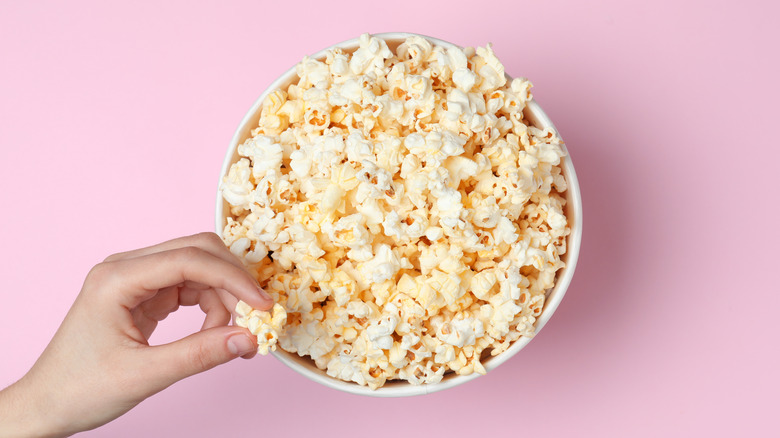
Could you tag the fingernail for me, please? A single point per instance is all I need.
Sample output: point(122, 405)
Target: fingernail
point(240, 344)
point(264, 294)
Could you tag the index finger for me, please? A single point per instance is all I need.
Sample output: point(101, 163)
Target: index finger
point(206, 241)
point(140, 278)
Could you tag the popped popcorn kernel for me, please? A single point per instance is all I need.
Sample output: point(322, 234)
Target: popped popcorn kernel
point(265, 325)
point(400, 210)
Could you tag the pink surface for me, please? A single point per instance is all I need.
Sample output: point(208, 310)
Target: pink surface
point(115, 120)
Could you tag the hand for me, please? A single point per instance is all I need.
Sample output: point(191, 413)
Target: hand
point(99, 364)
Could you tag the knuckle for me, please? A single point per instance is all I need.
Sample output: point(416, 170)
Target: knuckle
point(208, 238)
point(99, 272)
point(114, 257)
point(189, 253)
point(101, 277)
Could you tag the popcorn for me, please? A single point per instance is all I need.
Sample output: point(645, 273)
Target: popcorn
point(464, 79)
point(460, 332)
point(265, 153)
point(370, 56)
point(400, 211)
point(236, 188)
point(384, 265)
point(380, 333)
point(265, 325)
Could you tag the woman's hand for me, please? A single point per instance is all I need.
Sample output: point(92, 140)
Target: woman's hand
point(99, 364)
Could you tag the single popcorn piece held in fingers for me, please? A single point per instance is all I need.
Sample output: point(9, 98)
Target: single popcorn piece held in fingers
point(265, 325)
point(400, 210)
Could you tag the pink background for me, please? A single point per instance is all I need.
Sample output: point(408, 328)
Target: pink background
point(113, 125)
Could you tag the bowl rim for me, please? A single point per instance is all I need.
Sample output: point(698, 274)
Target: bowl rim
point(554, 296)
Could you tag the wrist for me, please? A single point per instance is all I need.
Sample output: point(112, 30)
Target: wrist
point(23, 413)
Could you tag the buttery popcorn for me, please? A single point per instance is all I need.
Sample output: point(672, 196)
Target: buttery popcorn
point(265, 325)
point(400, 210)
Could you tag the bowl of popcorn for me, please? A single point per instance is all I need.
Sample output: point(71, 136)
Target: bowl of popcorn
point(410, 208)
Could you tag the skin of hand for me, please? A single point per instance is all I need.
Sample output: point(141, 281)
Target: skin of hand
point(99, 364)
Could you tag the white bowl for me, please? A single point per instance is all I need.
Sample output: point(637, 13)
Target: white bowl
point(305, 366)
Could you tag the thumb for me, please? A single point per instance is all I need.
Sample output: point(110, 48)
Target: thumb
point(196, 353)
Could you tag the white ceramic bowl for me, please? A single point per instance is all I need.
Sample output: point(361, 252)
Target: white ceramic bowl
point(305, 366)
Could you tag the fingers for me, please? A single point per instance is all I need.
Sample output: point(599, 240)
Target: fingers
point(150, 312)
point(208, 242)
point(194, 354)
point(216, 313)
point(139, 279)
point(208, 301)
point(161, 305)
point(144, 323)
point(228, 300)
